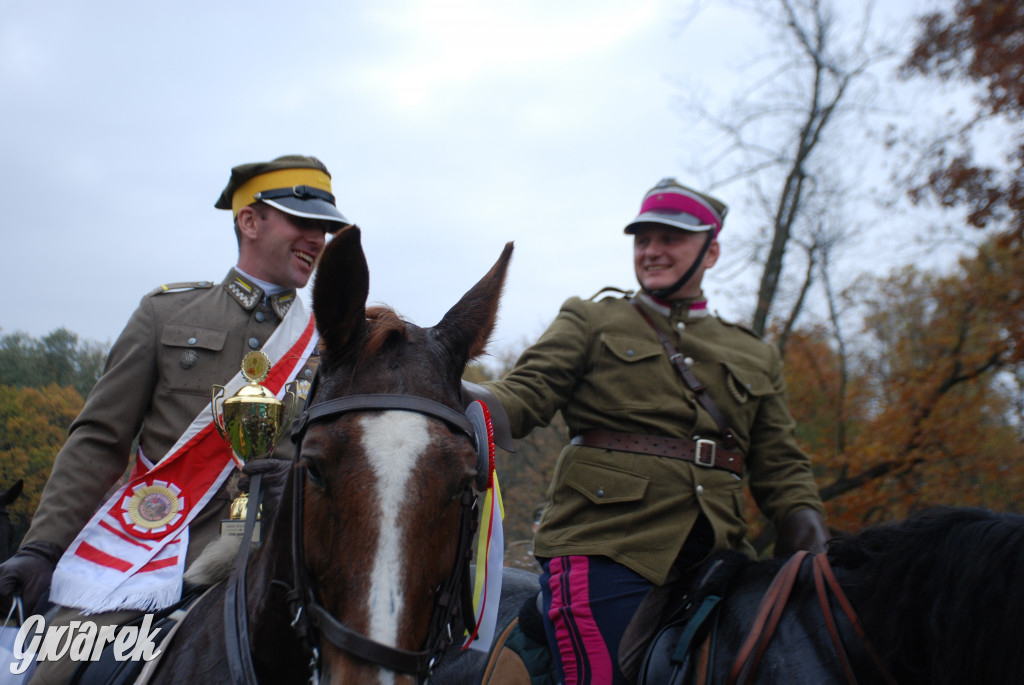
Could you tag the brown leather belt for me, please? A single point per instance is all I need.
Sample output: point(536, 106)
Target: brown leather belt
point(705, 453)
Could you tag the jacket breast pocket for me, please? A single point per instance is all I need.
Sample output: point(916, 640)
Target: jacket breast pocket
point(191, 357)
point(746, 387)
point(625, 369)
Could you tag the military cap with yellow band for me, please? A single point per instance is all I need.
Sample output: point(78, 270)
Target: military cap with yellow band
point(295, 184)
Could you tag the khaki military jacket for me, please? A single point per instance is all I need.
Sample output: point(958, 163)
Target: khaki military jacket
point(158, 376)
point(603, 367)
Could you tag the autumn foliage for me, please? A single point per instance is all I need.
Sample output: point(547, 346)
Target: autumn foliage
point(931, 411)
point(33, 425)
point(979, 42)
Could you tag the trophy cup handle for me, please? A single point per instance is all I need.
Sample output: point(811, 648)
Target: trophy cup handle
point(217, 393)
point(291, 402)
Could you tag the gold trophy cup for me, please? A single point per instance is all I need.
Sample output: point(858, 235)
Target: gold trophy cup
point(252, 421)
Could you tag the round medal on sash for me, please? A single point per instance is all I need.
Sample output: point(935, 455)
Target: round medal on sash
point(149, 509)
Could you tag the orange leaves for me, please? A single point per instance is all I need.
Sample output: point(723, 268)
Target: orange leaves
point(929, 414)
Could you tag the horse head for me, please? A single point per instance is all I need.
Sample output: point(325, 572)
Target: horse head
point(382, 490)
point(10, 494)
point(7, 531)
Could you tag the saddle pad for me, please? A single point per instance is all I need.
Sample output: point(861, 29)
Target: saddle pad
point(518, 659)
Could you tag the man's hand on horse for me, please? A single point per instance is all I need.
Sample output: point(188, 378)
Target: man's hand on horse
point(28, 573)
point(275, 474)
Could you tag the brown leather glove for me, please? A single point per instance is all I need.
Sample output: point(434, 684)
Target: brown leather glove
point(803, 529)
point(28, 573)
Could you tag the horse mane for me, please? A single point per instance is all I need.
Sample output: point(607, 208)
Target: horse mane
point(939, 595)
point(385, 327)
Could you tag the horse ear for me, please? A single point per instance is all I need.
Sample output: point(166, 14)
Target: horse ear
point(468, 325)
point(340, 289)
point(12, 493)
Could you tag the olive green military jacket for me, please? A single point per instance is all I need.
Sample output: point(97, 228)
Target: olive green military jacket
point(158, 376)
point(603, 367)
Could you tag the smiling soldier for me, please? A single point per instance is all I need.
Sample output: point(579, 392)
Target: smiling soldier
point(669, 409)
point(113, 560)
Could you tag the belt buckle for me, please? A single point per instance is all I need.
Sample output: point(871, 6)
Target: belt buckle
point(698, 455)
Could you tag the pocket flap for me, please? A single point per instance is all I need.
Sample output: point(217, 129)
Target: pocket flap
point(192, 336)
point(604, 485)
point(749, 381)
point(630, 348)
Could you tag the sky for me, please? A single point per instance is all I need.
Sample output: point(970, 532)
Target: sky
point(449, 127)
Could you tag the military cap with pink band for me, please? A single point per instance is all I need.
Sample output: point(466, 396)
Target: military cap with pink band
point(672, 204)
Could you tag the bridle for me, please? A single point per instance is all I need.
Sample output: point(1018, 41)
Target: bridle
point(311, 621)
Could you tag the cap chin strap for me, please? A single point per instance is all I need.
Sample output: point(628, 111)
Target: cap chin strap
point(665, 293)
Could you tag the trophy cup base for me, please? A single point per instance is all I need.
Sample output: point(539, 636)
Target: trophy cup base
point(235, 528)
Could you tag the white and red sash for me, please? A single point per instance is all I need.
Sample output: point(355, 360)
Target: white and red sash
point(131, 554)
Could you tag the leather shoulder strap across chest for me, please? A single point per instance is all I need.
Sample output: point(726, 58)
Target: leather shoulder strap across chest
point(692, 382)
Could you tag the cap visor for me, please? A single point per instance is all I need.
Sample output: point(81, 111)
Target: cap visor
point(686, 222)
point(310, 208)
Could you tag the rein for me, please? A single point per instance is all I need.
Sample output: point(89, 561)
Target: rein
point(236, 614)
point(310, 619)
point(772, 605)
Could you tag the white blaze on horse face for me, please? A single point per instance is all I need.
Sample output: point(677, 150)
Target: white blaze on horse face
point(394, 442)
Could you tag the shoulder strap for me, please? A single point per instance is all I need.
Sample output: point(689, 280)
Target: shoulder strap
point(610, 289)
point(180, 287)
point(701, 392)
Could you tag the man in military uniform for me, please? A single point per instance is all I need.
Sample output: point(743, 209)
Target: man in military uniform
point(669, 410)
point(182, 339)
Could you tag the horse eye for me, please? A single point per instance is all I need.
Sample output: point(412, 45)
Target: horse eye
point(313, 473)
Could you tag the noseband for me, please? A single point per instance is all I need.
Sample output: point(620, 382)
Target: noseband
point(310, 619)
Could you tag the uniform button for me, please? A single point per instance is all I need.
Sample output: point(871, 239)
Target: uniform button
point(629, 353)
point(192, 341)
point(688, 361)
point(600, 492)
point(260, 317)
point(254, 343)
point(308, 373)
point(700, 489)
point(680, 325)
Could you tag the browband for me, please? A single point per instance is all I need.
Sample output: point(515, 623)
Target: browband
point(412, 403)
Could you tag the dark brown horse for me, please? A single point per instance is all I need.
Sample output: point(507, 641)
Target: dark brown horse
point(360, 552)
point(934, 599)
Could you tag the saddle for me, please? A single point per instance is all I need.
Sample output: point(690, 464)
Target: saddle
point(654, 657)
point(680, 646)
